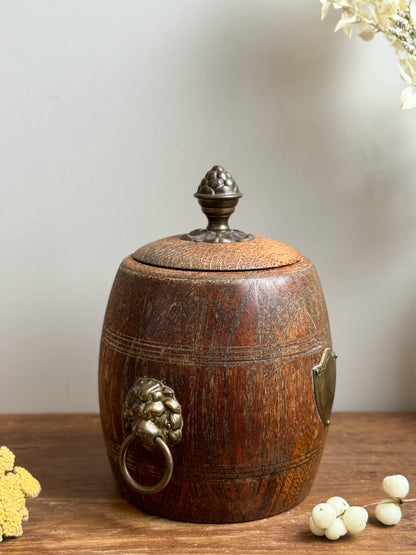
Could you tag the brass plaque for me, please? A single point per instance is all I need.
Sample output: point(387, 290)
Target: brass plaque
point(324, 378)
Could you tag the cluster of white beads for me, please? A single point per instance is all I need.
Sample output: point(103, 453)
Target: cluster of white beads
point(335, 517)
point(388, 511)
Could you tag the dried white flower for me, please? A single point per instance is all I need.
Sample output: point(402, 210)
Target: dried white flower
point(396, 19)
point(408, 98)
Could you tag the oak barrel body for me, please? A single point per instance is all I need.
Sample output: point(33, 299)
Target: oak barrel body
point(239, 349)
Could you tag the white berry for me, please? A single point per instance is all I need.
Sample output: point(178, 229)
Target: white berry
point(388, 513)
point(339, 504)
point(324, 515)
point(337, 530)
point(355, 519)
point(396, 486)
point(315, 529)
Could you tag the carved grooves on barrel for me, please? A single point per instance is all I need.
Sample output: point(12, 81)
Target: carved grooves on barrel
point(219, 473)
point(211, 356)
point(239, 354)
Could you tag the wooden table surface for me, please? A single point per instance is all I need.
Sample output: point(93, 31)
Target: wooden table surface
point(80, 510)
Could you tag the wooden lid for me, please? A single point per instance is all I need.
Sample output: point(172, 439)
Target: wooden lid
point(257, 254)
point(217, 248)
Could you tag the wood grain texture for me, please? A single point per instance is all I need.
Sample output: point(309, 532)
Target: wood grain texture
point(80, 510)
point(238, 349)
point(259, 253)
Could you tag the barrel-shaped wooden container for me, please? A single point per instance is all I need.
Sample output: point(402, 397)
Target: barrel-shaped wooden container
point(238, 334)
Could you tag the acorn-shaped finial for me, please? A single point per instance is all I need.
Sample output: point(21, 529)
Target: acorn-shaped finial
point(218, 182)
point(218, 195)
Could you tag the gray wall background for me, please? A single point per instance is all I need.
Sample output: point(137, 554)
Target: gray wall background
point(112, 111)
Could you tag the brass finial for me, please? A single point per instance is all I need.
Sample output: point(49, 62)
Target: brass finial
point(218, 182)
point(218, 195)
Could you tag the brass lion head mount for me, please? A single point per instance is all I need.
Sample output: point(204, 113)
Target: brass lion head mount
point(150, 411)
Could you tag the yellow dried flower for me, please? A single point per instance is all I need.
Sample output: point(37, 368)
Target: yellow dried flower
point(6, 460)
point(16, 483)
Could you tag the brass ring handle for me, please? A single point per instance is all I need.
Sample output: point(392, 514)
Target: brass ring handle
point(153, 416)
point(129, 478)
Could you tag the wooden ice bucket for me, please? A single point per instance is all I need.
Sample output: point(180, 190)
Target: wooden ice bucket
point(216, 371)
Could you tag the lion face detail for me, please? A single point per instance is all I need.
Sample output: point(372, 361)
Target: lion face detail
point(151, 410)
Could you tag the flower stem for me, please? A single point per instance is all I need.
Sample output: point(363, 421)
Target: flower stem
point(400, 501)
point(378, 502)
